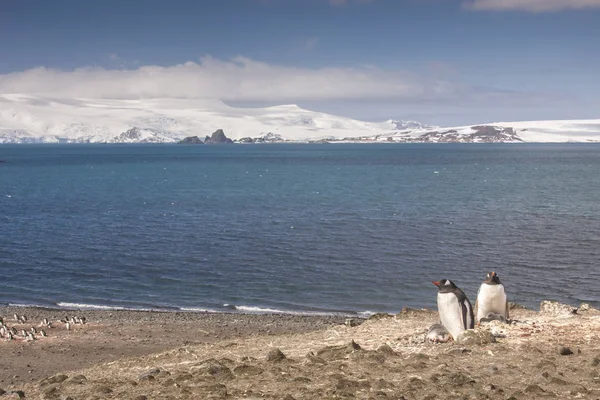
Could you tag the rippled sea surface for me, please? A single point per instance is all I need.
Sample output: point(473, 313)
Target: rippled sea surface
point(296, 228)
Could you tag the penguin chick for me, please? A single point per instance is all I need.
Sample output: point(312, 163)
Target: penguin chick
point(438, 334)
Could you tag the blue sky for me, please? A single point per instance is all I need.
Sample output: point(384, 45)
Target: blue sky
point(439, 61)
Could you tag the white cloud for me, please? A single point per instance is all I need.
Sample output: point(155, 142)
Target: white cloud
point(531, 5)
point(239, 79)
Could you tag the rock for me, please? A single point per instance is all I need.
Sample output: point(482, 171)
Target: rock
point(289, 397)
point(596, 362)
point(2, 391)
point(191, 140)
point(535, 389)
point(556, 309)
point(386, 349)
point(54, 379)
point(408, 312)
point(214, 368)
point(378, 316)
point(51, 393)
point(275, 355)
point(149, 375)
point(218, 137)
point(352, 322)
point(140, 397)
point(516, 306)
point(103, 389)
point(564, 351)
point(311, 357)
point(247, 370)
point(475, 337)
point(588, 309)
point(14, 394)
point(77, 380)
point(338, 352)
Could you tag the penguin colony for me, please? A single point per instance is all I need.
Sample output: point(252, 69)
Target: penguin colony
point(19, 330)
point(456, 312)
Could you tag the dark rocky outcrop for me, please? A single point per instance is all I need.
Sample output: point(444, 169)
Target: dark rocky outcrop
point(218, 137)
point(191, 140)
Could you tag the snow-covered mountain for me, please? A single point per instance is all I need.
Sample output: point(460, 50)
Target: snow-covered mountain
point(38, 119)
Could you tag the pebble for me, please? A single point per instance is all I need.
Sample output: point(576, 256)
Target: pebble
point(275, 355)
point(564, 351)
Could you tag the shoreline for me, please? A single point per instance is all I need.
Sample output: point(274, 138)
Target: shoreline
point(150, 355)
point(110, 335)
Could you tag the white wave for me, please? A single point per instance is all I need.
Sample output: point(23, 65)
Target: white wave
point(26, 305)
point(196, 309)
point(365, 314)
point(260, 310)
point(98, 307)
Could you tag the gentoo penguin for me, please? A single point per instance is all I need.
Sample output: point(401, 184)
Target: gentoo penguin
point(438, 334)
point(45, 322)
point(33, 330)
point(456, 312)
point(16, 317)
point(491, 299)
point(43, 333)
point(68, 326)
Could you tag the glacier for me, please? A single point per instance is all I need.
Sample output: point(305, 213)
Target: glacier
point(43, 119)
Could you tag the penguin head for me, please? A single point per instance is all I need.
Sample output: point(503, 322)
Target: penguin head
point(445, 285)
point(492, 278)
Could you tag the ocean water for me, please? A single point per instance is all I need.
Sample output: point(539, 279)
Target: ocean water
point(338, 228)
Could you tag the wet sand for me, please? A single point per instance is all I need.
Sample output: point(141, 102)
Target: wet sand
point(132, 355)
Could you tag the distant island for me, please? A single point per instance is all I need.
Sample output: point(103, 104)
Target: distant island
point(191, 121)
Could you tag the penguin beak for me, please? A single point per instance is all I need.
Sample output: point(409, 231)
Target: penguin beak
point(436, 283)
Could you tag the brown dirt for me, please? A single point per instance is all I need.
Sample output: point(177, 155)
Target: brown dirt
point(384, 358)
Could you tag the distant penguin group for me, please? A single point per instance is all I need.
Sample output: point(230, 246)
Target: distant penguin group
point(10, 333)
point(456, 312)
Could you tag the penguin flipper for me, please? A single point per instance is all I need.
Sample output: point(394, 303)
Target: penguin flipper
point(476, 305)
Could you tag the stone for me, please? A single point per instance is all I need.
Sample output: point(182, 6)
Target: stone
point(556, 309)
point(386, 349)
point(475, 337)
point(352, 322)
point(213, 368)
point(247, 370)
point(2, 391)
point(275, 355)
point(564, 351)
point(191, 140)
point(149, 375)
point(140, 397)
point(60, 378)
point(338, 352)
point(378, 316)
point(596, 361)
point(14, 394)
point(77, 380)
point(51, 393)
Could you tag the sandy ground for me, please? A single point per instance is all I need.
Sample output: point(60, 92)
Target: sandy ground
point(197, 356)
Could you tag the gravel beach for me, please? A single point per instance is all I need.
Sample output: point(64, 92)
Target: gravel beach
point(551, 353)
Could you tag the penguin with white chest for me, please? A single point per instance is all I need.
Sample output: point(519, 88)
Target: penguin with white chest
point(492, 302)
point(456, 312)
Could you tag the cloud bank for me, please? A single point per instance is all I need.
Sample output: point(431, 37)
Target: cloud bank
point(531, 5)
point(239, 79)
